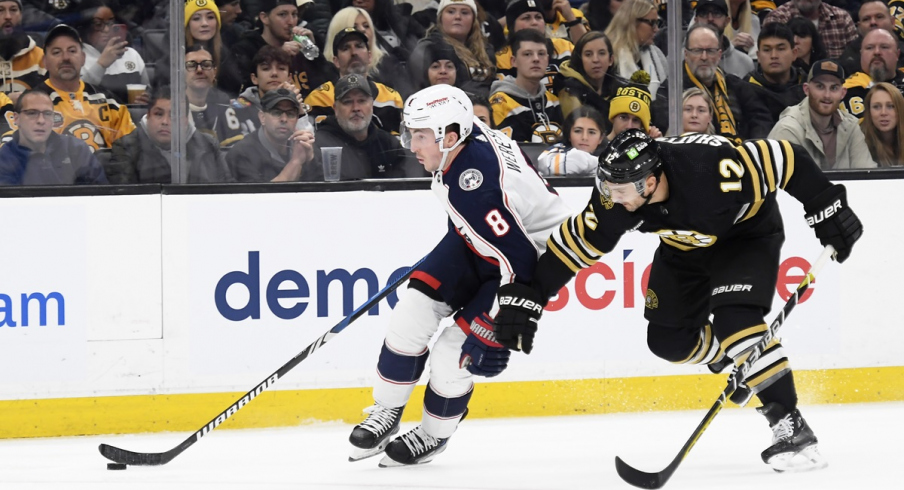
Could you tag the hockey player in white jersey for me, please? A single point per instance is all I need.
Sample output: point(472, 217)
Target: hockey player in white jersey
point(501, 213)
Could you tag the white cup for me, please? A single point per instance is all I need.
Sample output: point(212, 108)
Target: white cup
point(332, 163)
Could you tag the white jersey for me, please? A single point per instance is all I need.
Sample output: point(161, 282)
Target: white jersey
point(499, 203)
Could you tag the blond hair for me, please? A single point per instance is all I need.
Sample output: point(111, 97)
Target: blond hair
point(344, 19)
point(744, 23)
point(693, 92)
point(474, 52)
point(884, 155)
point(622, 31)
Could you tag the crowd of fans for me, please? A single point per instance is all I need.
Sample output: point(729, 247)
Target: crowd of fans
point(85, 92)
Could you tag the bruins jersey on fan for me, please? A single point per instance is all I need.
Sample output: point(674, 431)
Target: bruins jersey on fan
point(717, 191)
point(858, 85)
point(561, 52)
point(88, 115)
point(24, 70)
point(387, 105)
point(534, 120)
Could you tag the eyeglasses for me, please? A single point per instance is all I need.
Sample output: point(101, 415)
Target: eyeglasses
point(34, 113)
point(205, 65)
point(715, 14)
point(99, 24)
point(700, 51)
point(653, 23)
point(277, 113)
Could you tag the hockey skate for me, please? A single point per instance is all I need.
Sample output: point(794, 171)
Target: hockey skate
point(414, 447)
point(794, 446)
point(370, 437)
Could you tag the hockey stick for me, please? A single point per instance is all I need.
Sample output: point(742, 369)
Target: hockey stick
point(658, 480)
point(152, 459)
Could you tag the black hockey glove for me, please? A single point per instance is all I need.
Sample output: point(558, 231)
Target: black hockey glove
point(833, 221)
point(481, 354)
point(520, 307)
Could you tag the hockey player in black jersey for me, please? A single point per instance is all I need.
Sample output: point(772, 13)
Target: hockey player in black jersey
point(714, 208)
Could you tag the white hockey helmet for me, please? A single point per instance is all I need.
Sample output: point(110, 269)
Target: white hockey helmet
point(437, 107)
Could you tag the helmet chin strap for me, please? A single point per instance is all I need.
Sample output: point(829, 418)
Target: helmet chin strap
point(647, 197)
point(442, 163)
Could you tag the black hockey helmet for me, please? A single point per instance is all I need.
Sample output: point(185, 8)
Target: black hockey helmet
point(630, 157)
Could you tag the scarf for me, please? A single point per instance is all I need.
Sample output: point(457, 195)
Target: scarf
point(649, 62)
point(720, 104)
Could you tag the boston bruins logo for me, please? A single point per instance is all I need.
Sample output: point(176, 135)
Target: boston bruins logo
point(686, 240)
point(650, 300)
point(634, 106)
point(606, 196)
point(130, 65)
point(549, 134)
point(86, 132)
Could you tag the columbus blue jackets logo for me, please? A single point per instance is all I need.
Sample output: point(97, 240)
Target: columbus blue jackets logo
point(470, 179)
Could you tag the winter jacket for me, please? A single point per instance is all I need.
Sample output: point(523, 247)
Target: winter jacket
point(851, 151)
point(67, 160)
point(780, 96)
point(523, 116)
point(573, 91)
point(21, 63)
point(138, 160)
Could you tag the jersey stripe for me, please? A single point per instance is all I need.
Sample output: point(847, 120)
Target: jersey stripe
point(789, 162)
point(771, 161)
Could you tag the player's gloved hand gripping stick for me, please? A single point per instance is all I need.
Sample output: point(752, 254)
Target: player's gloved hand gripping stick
point(657, 480)
point(151, 459)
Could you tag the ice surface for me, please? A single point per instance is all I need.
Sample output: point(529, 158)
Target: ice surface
point(861, 443)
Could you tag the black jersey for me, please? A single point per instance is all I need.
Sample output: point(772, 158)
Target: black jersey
point(717, 192)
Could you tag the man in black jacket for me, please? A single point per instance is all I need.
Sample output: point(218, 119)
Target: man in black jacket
point(783, 82)
point(368, 152)
point(738, 109)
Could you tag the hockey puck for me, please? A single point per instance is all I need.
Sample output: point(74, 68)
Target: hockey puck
point(116, 466)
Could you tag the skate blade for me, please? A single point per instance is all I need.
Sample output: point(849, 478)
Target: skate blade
point(808, 459)
point(388, 462)
point(357, 454)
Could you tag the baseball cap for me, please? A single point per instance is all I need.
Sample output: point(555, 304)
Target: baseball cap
point(62, 30)
point(353, 82)
point(826, 67)
point(274, 97)
point(344, 34)
point(268, 5)
point(717, 4)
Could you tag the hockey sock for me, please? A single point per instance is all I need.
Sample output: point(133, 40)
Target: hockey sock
point(782, 391)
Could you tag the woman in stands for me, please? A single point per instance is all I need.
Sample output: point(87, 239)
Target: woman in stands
point(697, 110)
point(588, 78)
point(883, 124)
point(585, 136)
point(109, 61)
point(808, 42)
point(744, 27)
point(631, 32)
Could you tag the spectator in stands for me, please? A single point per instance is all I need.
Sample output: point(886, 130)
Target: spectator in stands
point(144, 156)
point(396, 34)
point(6, 114)
point(232, 27)
point(488, 13)
point(21, 60)
point(715, 13)
point(697, 112)
point(738, 106)
point(271, 71)
point(86, 112)
point(528, 14)
point(109, 61)
point(744, 28)
point(368, 152)
point(275, 152)
point(834, 24)
point(383, 67)
point(883, 125)
point(38, 156)
point(776, 73)
point(482, 109)
point(352, 56)
point(458, 26)
point(202, 26)
point(631, 32)
point(437, 63)
point(578, 154)
point(600, 13)
point(879, 55)
point(588, 78)
point(630, 108)
point(831, 136)
point(522, 107)
point(874, 14)
point(563, 20)
point(279, 20)
point(808, 43)
point(210, 108)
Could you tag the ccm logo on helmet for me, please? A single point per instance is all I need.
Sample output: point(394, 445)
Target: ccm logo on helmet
point(521, 302)
point(734, 288)
point(824, 214)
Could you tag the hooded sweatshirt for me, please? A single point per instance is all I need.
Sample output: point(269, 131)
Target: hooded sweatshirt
point(526, 117)
point(21, 63)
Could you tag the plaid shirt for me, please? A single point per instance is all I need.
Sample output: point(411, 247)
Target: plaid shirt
point(835, 25)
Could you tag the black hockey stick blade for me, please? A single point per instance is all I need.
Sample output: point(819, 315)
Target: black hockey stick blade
point(132, 458)
point(643, 479)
